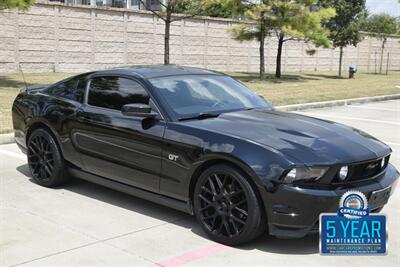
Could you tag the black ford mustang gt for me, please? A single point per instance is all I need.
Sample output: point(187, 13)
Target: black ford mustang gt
point(200, 142)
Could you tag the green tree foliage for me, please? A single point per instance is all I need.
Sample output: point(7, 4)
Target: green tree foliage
point(218, 10)
point(248, 31)
point(287, 19)
point(212, 8)
point(381, 25)
point(16, 4)
point(398, 24)
point(345, 26)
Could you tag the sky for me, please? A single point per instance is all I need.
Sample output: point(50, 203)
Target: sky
point(392, 7)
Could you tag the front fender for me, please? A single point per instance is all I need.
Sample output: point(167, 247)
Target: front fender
point(195, 148)
point(262, 165)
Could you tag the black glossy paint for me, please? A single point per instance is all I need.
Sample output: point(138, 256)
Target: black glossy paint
point(123, 151)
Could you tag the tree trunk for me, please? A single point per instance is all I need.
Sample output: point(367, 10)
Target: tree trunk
point(166, 35)
point(340, 61)
point(383, 48)
point(279, 56)
point(262, 56)
point(166, 41)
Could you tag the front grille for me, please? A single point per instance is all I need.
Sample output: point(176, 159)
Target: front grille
point(365, 170)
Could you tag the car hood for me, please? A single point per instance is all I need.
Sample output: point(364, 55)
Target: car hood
point(308, 140)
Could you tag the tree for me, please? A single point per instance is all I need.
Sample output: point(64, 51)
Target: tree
point(299, 20)
point(168, 11)
point(398, 24)
point(288, 19)
point(381, 25)
point(16, 4)
point(259, 31)
point(345, 26)
point(212, 8)
point(217, 10)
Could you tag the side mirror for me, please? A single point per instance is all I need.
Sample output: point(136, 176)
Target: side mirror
point(138, 110)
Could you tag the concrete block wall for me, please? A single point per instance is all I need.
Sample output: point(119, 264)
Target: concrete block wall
point(63, 38)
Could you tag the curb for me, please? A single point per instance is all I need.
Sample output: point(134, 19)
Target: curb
point(336, 103)
point(9, 138)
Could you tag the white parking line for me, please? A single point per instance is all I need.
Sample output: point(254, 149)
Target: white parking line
point(374, 108)
point(349, 118)
point(13, 154)
point(391, 143)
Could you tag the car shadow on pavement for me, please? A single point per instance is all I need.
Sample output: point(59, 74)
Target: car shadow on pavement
point(299, 246)
point(265, 243)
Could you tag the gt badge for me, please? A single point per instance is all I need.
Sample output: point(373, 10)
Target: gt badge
point(173, 157)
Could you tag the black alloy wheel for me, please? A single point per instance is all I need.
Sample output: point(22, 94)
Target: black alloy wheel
point(223, 205)
point(41, 158)
point(227, 207)
point(44, 159)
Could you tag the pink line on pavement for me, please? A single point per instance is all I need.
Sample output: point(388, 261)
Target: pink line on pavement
point(191, 256)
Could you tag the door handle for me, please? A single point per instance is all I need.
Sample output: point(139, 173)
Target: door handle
point(79, 118)
point(83, 119)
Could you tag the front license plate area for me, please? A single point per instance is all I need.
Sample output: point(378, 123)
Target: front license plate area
point(379, 198)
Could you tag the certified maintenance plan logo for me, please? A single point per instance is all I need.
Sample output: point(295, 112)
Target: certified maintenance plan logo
point(352, 230)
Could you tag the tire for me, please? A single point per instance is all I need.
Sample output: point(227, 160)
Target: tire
point(227, 207)
point(44, 159)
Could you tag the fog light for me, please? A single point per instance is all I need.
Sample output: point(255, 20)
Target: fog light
point(343, 172)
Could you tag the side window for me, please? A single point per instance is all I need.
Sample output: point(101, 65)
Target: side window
point(73, 89)
point(114, 92)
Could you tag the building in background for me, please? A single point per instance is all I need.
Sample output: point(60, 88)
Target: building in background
point(131, 4)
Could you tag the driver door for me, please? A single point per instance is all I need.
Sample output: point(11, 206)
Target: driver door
point(115, 146)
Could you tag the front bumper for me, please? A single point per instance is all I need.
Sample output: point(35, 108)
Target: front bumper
point(294, 211)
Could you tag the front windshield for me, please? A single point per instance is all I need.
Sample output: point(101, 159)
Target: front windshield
point(197, 94)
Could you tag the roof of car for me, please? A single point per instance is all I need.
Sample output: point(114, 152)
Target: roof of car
point(152, 71)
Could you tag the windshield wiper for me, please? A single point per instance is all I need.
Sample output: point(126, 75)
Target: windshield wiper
point(200, 116)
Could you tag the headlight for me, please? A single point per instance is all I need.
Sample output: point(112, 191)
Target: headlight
point(304, 173)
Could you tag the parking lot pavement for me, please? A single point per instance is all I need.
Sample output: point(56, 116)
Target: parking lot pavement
point(86, 224)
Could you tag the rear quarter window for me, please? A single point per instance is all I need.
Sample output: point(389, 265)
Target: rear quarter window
point(73, 89)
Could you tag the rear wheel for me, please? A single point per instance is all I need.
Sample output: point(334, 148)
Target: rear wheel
point(45, 160)
point(227, 207)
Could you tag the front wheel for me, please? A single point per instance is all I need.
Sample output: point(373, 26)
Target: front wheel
point(227, 207)
point(44, 159)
